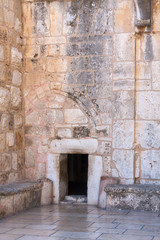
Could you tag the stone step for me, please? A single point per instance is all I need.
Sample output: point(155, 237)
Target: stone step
point(76, 198)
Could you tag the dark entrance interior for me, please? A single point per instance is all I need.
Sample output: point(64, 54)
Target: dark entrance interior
point(77, 174)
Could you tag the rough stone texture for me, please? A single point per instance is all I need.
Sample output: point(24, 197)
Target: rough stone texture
point(47, 192)
point(74, 146)
point(17, 78)
point(11, 55)
point(81, 132)
point(137, 197)
point(88, 73)
point(75, 116)
point(123, 134)
point(16, 197)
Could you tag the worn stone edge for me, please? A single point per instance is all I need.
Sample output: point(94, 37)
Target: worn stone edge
point(135, 188)
point(19, 187)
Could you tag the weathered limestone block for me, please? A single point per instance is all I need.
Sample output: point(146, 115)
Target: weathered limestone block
point(18, 25)
point(74, 146)
point(92, 48)
point(155, 75)
point(17, 78)
point(16, 99)
point(103, 77)
point(103, 19)
point(81, 63)
point(18, 120)
point(4, 98)
point(133, 196)
point(14, 161)
point(34, 78)
point(156, 16)
point(47, 192)
point(99, 91)
point(86, 16)
point(81, 132)
point(19, 140)
point(10, 139)
point(41, 171)
point(103, 105)
point(56, 12)
point(54, 116)
point(123, 134)
point(150, 164)
point(105, 180)
point(74, 116)
point(64, 133)
point(124, 8)
point(69, 50)
point(125, 70)
point(143, 70)
point(124, 105)
point(148, 105)
point(30, 157)
point(3, 34)
point(16, 56)
point(143, 85)
point(103, 131)
point(37, 130)
point(94, 176)
point(6, 121)
point(84, 78)
point(5, 164)
point(2, 142)
point(126, 85)
point(55, 65)
point(101, 63)
point(3, 73)
point(70, 16)
point(123, 160)
point(40, 18)
point(7, 207)
point(148, 134)
point(32, 117)
point(105, 148)
point(124, 47)
point(1, 53)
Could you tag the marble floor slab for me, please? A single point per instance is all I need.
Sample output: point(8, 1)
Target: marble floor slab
point(68, 222)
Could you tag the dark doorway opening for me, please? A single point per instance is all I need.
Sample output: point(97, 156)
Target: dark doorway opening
point(77, 174)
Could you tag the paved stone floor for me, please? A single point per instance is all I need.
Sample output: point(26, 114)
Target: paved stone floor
point(64, 222)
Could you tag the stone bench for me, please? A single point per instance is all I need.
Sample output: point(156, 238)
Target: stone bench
point(137, 197)
point(19, 196)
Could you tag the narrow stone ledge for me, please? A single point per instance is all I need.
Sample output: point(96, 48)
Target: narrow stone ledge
point(19, 196)
point(19, 187)
point(137, 197)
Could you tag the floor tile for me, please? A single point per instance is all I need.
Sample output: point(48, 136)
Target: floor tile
point(130, 226)
point(63, 222)
point(31, 232)
point(31, 237)
point(77, 234)
point(122, 237)
point(9, 237)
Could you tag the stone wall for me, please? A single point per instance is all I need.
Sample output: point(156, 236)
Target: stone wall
point(147, 125)
point(11, 113)
point(90, 73)
point(68, 78)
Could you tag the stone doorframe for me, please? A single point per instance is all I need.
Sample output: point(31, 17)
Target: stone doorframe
point(75, 146)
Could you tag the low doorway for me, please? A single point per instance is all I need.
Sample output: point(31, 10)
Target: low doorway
point(77, 174)
point(73, 175)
